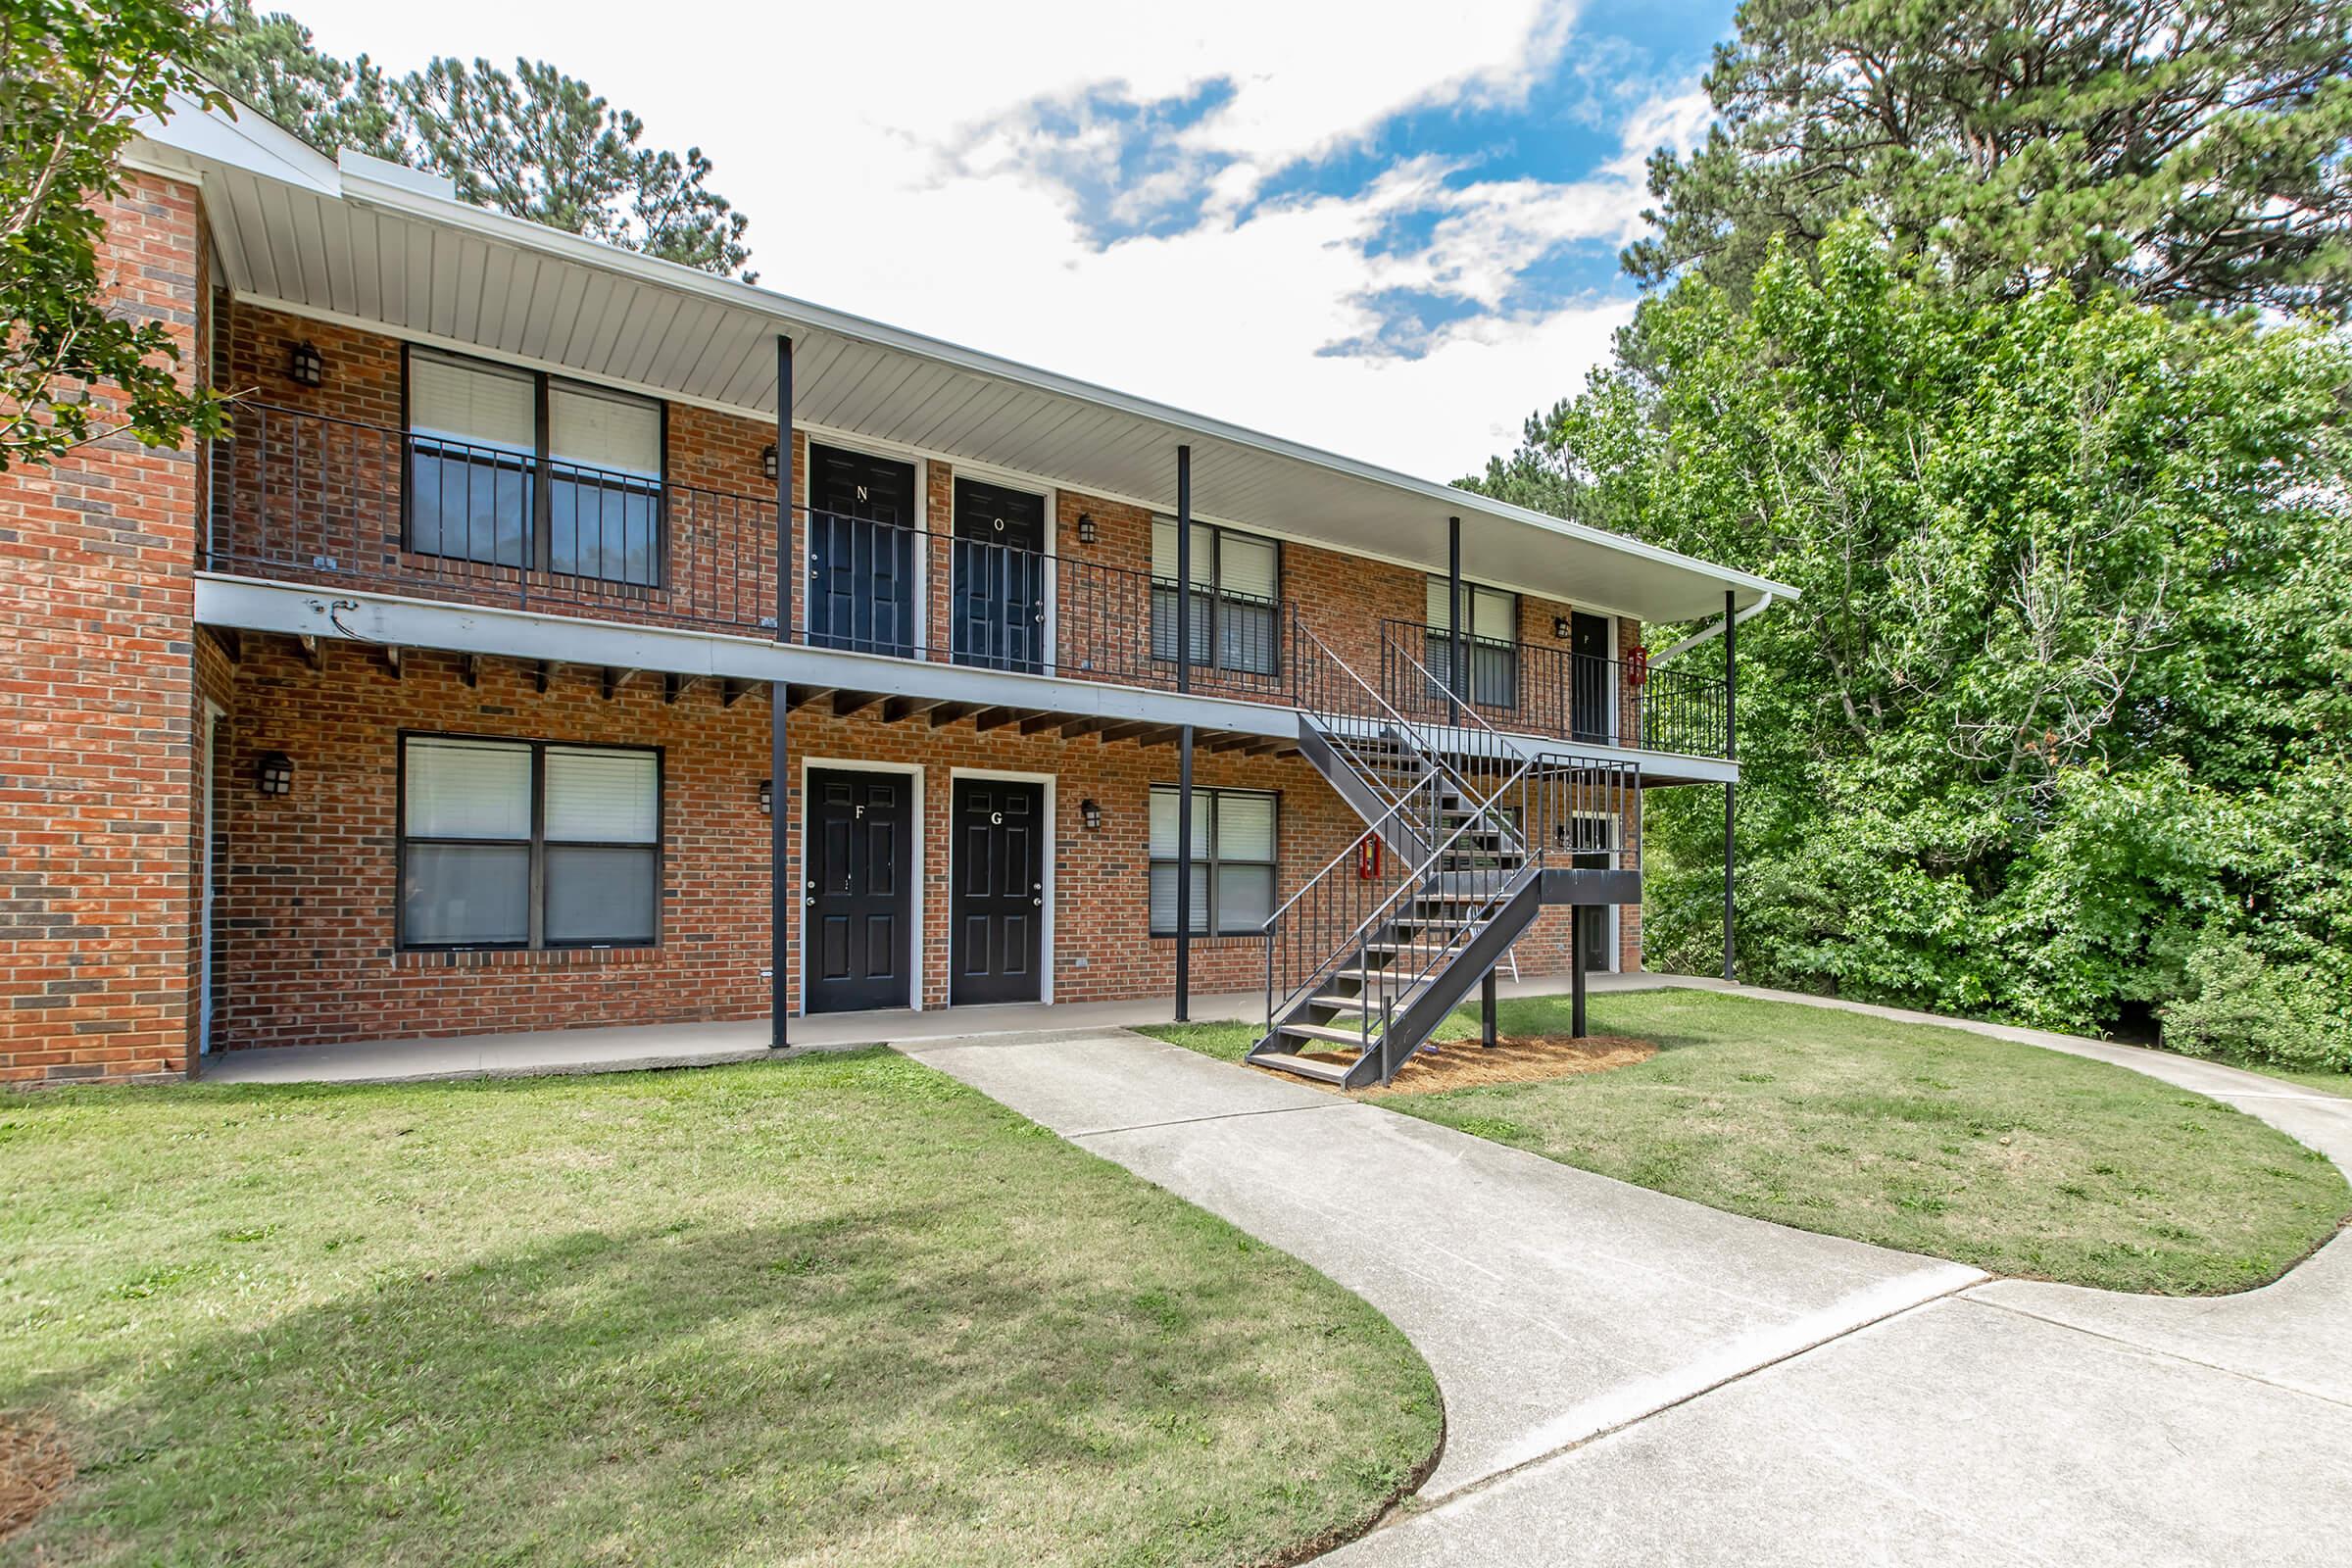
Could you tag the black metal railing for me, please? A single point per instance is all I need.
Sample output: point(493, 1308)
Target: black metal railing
point(1532, 689)
point(312, 498)
point(309, 498)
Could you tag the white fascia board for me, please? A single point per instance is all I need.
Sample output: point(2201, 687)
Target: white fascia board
point(239, 137)
point(392, 620)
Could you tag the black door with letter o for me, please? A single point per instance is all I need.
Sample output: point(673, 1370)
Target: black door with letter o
point(1000, 899)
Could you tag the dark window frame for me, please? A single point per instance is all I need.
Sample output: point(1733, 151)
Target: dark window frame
point(1207, 854)
point(543, 469)
point(1473, 644)
point(1217, 598)
point(537, 844)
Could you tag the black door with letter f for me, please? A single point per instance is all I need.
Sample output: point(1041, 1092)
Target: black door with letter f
point(1000, 900)
point(860, 884)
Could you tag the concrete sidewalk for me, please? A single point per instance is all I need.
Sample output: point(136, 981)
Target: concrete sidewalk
point(1629, 1378)
point(633, 1047)
point(1551, 1303)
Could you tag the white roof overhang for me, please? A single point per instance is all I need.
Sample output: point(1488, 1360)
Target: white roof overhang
point(372, 244)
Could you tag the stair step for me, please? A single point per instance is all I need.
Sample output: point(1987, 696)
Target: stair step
point(1330, 1073)
point(1324, 1031)
point(1401, 1001)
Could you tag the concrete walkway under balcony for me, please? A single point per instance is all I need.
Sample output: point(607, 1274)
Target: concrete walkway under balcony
point(632, 1048)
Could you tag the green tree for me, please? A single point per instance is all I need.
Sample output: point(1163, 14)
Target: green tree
point(2192, 151)
point(2064, 694)
point(271, 63)
point(75, 78)
point(537, 145)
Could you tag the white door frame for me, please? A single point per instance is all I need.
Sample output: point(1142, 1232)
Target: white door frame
point(213, 713)
point(1052, 848)
point(923, 857)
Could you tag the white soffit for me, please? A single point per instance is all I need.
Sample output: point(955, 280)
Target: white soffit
point(369, 244)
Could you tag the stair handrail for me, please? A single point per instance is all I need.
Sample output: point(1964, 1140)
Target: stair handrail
point(1465, 709)
point(1413, 882)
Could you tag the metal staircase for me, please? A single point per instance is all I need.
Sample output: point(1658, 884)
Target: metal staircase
point(1366, 959)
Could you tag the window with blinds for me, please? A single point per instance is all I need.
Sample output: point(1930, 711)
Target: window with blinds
point(1233, 867)
point(1236, 583)
point(511, 468)
point(519, 844)
point(1490, 624)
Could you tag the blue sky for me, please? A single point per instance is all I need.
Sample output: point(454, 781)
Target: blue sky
point(1388, 228)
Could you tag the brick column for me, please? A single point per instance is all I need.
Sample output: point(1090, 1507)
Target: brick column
point(98, 808)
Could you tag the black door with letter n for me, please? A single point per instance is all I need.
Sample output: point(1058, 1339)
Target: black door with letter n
point(1000, 899)
point(862, 529)
point(858, 890)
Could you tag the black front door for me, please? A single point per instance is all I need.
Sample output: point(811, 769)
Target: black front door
point(858, 890)
point(1589, 649)
point(1000, 900)
point(862, 526)
point(1000, 576)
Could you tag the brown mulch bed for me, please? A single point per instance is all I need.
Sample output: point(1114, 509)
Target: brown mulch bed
point(34, 1468)
point(1514, 1059)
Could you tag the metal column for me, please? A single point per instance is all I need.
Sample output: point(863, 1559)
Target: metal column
point(1485, 1011)
point(1183, 744)
point(1731, 751)
point(781, 896)
point(1576, 971)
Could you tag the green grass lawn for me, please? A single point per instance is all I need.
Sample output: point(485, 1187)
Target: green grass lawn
point(2017, 1160)
point(834, 1310)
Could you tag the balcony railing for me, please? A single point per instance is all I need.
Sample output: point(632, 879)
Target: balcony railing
point(1555, 692)
point(312, 499)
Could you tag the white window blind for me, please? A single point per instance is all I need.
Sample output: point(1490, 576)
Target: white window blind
point(1493, 613)
point(480, 405)
point(461, 789)
point(1165, 802)
point(1245, 827)
point(596, 797)
point(1248, 565)
point(600, 430)
point(1163, 551)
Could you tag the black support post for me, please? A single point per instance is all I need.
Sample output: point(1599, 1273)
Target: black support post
point(1576, 971)
point(1485, 1011)
point(780, 893)
point(1184, 743)
point(1457, 675)
point(1731, 751)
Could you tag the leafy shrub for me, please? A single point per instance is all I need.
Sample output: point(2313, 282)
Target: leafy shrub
point(2240, 1006)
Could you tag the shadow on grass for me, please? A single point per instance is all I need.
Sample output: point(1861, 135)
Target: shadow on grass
point(872, 1390)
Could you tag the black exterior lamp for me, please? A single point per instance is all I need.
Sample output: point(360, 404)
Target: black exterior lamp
point(1086, 529)
point(1560, 627)
point(768, 796)
point(305, 366)
point(767, 460)
point(274, 774)
point(1091, 815)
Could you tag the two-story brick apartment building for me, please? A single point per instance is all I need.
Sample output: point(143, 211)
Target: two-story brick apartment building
point(569, 638)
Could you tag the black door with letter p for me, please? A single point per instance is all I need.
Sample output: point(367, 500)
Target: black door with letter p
point(1000, 899)
point(859, 877)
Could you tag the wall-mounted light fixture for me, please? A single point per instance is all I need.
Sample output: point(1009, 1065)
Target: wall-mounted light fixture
point(274, 774)
point(1091, 815)
point(1086, 529)
point(768, 796)
point(1560, 627)
point(767, 460)
point(305, 366)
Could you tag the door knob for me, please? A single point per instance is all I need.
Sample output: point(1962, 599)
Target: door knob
point(1035, 902)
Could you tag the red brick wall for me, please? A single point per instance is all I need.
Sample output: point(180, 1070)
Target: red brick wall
point(306, 929)
point(97, 704)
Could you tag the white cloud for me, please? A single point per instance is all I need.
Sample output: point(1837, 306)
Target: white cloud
point(827, 123)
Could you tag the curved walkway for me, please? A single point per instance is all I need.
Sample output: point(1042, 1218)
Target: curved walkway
point(1634, 1378)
